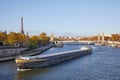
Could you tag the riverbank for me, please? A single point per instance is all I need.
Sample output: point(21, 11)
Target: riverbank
point(36, 51)
point(109, 43)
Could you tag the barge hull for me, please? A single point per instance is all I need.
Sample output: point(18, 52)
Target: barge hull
point(38, 63)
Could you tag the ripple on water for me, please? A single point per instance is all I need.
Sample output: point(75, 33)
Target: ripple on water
point(102, 64)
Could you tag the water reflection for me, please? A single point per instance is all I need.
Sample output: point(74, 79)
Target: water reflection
point(7, 70)
point(7, 67)
point(30, 74)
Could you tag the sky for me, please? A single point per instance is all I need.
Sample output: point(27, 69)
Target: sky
point(61, 17)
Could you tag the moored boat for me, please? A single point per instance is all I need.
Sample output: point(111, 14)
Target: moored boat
point(49, 59)
point(59, 44)
point(86, 48)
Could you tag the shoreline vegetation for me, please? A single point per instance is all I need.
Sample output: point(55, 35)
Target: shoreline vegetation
point(15, 44)
point(14, 39)
point(24, 40)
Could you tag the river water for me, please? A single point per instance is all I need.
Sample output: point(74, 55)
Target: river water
point(102, 64)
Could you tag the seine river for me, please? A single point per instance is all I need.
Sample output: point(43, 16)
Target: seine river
point(102, 64)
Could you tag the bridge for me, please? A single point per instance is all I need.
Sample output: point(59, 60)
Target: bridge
point(78, 42)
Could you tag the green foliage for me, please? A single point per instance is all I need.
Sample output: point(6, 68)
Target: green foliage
point(43, 38)
point(35, 41)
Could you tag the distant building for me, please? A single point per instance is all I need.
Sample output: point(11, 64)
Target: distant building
point(52, 38)
point(104, 38)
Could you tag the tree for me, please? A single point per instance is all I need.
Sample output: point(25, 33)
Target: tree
point(34, 41)
point(43, 38)
point(12, 38)
point(1, 43)
point(3, 37)
point(115, 37)
point(22, 38)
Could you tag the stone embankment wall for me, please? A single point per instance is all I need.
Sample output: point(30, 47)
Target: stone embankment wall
point(4, 52)
point(12, 53)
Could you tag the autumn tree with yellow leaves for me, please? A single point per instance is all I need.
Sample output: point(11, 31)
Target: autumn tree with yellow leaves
point(33, 41)
point(18, 38)
point(3, 37)
point(43, 38)
point(39, 40)
point(13, 38)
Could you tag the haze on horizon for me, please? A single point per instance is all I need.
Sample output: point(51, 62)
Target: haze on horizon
point(61, 17)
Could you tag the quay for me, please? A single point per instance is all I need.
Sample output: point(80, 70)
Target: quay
point(44, 60)
point(6, 54)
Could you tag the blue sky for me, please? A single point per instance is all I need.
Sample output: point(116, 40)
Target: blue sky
point(61, 17)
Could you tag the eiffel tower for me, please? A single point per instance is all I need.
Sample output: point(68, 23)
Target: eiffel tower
point(22, 31)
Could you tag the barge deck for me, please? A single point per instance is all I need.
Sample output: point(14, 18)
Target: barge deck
point(44, 60)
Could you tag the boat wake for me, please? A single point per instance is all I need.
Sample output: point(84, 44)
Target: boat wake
point(94, 48)
point(22, 69)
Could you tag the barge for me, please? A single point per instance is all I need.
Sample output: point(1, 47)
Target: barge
point(44, 60)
